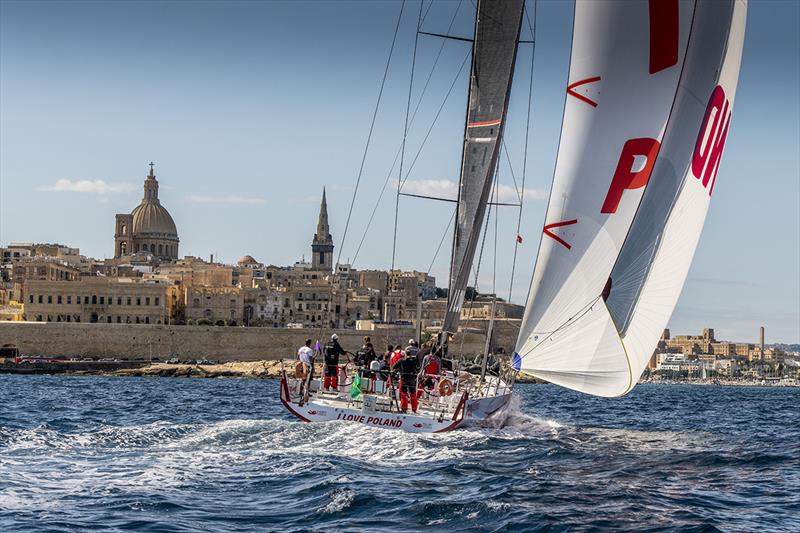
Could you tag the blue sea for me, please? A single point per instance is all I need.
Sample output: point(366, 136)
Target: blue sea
point(167, 454)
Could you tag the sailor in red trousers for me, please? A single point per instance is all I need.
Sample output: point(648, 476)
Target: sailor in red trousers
point(408, 368)
point(332, 352)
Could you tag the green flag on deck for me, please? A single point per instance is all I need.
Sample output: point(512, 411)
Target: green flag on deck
point(355, 389)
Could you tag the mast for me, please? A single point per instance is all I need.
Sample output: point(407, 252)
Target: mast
point(494, 49)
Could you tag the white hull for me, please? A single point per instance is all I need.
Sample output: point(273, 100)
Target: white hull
point(426, 420)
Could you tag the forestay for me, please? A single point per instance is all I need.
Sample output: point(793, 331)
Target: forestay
point(497, 27)
point(651, 88)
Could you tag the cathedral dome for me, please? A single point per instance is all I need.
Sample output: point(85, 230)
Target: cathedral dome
point(148, 228)
point(151, 219)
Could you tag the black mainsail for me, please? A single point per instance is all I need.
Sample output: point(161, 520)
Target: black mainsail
point(494, 51)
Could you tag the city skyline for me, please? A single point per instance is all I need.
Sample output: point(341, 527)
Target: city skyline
point(247, 128)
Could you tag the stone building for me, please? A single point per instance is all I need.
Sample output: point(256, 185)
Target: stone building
point(322, 245)
point(374, 279)
point(44, 268)
point(149, 227)
point(216, 305)
point(98, 299)
point(193, 271)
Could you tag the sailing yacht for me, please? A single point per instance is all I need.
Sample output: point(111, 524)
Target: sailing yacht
point(647, 112)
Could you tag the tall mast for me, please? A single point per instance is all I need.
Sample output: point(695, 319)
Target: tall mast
point(494, 50)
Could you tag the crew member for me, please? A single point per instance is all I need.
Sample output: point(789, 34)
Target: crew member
point(397, 355)
point(366, 354)
point(431, 366)
point(332, 352)
point(305, 355)
point(408, 367)
point(413, 350)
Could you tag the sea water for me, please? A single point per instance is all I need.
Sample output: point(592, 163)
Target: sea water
point(169, 454)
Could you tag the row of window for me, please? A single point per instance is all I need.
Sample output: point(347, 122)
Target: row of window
point(161, 249)
point(95, 300)
point(94, 318)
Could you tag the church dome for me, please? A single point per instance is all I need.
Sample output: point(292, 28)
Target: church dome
point(152, 219)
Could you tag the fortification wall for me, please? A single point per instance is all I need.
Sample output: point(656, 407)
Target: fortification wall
point(132, 341)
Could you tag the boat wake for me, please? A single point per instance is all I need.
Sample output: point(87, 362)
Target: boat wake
point(163, 468)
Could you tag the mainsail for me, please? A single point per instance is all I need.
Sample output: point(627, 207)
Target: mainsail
point(494, 50)
point(650, 94)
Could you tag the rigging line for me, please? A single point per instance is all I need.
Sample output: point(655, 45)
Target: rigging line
point(511, 168)
point(445, 36)
point(532, 28)
point(425, 16)
point(371, 128)
point(435, 118)
point(389, 175)
point(444, 235)
point(496, 214)
point(571, 321)
point(433, 68)
point(453, 200)
point(478, 267)
point(405, 135)
point(413, 117)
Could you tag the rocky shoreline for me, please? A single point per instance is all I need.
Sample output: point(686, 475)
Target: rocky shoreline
point(265, 369)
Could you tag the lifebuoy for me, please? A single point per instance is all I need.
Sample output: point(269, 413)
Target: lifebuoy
point(445, 388)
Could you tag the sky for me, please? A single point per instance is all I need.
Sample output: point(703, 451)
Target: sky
point(248, 109)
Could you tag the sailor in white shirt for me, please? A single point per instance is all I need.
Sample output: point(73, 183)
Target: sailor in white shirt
point(305, 355)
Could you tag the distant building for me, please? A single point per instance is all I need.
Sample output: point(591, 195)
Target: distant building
point(99, 299)
point(148, 228)
point(322, 245)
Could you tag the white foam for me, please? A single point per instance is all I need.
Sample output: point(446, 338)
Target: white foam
point(340, 500)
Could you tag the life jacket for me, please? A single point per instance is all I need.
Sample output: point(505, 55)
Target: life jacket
point(395, 357)
point(432, 367)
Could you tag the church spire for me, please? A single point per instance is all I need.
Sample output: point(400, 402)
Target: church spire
point(151, 186)
point(323, 230)
point(322, 245)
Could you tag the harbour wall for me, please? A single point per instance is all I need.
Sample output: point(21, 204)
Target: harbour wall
point(140, 341)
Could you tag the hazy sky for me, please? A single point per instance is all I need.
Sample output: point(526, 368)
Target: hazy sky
point(248, 109)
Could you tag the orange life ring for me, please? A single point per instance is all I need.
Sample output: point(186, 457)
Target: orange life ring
point(445, 388)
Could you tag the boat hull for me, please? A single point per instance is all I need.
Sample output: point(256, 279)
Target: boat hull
point(320, 411)
point(490, 408)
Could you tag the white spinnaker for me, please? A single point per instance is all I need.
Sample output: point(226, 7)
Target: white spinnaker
point(568, 336)
point(708, 99)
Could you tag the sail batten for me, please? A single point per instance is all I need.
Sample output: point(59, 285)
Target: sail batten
point(650, 94)
point(497, 28)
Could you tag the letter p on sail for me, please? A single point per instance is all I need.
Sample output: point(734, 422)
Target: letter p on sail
point(626, 177)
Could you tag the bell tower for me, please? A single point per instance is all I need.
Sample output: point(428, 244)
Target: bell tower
point(322, 245)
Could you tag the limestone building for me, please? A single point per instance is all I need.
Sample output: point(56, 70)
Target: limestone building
point(148, 228)
point(322, 246)
point(99, 299)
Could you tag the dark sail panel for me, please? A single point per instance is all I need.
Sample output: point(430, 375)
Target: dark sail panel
point(497, 27)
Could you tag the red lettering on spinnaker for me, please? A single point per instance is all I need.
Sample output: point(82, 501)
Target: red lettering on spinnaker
point(571, 90)
point(624, 176)
point(711, 139)
point(555, 225)
point(664, 33)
